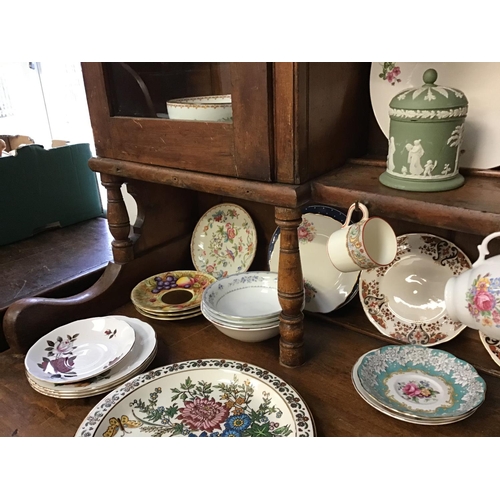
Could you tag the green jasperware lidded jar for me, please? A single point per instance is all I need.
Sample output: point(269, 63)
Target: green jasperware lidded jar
point(425, 135)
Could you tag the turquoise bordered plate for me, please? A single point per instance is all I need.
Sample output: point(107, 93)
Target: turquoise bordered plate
point(422, 382)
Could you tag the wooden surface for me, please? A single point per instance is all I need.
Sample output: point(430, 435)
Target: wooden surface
point(323, 381)
point(472, 208)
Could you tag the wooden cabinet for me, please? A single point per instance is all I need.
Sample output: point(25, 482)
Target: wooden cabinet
point(302, 133)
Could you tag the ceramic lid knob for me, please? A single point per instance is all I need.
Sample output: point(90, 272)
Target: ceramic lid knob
point(430, 76)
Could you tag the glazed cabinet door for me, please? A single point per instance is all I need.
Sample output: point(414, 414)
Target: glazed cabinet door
point(127, 103)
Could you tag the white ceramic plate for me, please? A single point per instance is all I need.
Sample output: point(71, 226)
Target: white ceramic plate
point(141, 351)
point(405, 300)
point(492, 346)
point(422, 382)
point(224, 241)
point(80, 350)
point(209, 397)
point(325, 287)
point(478, 81)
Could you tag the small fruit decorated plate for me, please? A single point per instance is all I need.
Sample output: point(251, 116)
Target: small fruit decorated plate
point(171, 291)
point(80, 350)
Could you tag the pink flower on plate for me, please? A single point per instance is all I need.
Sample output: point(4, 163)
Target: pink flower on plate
point(59, 365)
point(302, 232)
point(411, 389)
point(203, 414)
point(484, 301)
point(231, 233)
point(210, 269)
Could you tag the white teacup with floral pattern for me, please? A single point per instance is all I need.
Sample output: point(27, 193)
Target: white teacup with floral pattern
point(366, 244)
point(473, 297)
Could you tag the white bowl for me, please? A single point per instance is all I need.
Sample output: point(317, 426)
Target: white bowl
point(210, 108)
point(247, 334)
point(244, 296)
point(244, 323)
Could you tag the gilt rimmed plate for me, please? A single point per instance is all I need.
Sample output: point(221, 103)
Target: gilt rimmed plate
point(170, 292)
point(138, 358)
point(403, 416)
point(80, 350)
point(405, 300)
point(492, 346)
point(325, 288)
point(192, 313)
point(198, 398)
point(224, 241)
point(477, 80)
point(421, 382)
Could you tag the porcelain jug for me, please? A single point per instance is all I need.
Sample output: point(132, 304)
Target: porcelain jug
point(473, 297)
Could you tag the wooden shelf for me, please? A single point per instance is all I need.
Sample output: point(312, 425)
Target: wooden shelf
point(473, 208)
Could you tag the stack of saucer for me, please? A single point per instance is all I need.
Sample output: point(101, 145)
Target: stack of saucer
point(418, 385)
point(65, 365)
point(172, 295)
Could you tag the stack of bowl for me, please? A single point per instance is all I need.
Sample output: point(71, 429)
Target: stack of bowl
point(244, 306)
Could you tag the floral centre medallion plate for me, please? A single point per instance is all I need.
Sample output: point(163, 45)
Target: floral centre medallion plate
point(202, 398)
point(170, 292)
point(80, 350)
point(224, 241)
point(325, 288)
point(405, 300)
point(421, 381)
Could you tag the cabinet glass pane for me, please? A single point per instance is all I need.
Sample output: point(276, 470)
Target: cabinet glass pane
point(142, 89)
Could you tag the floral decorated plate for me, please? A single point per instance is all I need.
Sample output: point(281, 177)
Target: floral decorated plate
point(224, 241)
point(191, 313)
point(397, 414)
point(80, 350)
point(202, 398)
point(421, 382)
point(492, 346)
point(477, 80)
point(326, 288)
point(171, 292)
point(139, 357)
point(405, 300)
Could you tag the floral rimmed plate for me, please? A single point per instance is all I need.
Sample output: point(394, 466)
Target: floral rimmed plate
point(398, 414)
point(422, 382)
point(191, 313)
point(224, 241)
point(171, 292)
point(325, 288)
point(405, 300)
point(80, 350)
point(201, 398)
point(492, 346)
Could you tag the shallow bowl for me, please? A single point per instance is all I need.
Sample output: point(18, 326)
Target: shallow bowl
point(211, 108)
point(247, 334)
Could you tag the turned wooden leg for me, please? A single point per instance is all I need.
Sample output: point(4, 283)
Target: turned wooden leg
point(290, 288)
point(118, 221)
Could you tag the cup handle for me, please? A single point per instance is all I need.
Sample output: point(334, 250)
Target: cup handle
point(353, 207)
point(483, 249)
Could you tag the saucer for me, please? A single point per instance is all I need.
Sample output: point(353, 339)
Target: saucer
point(80, 350)
point(325, 288)
point(492, 346)
point(421, 382)
point(405, 300)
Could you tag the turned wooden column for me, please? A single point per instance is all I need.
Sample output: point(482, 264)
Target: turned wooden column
point(118, 221)
point(290, 288)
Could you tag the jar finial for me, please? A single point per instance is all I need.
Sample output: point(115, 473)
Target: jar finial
point(430, 76)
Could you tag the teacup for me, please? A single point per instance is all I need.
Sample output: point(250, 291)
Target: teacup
point(366, 244)
point(473, 297)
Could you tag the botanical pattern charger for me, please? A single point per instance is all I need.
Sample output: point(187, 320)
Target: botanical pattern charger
point(224, 241)
point(405, 300)
point(201, 398)
point(325, 287)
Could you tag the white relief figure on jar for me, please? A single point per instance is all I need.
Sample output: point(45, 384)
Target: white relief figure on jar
point(390, 156)
point(415, 153)
point(455, 141)
point(446, 169)
point(429, 167)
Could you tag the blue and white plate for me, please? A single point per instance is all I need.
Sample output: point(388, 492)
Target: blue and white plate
point(421, 382)
point(326, 288)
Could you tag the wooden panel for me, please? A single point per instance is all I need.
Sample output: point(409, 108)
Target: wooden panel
point(472, 208)
point(252, 121)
